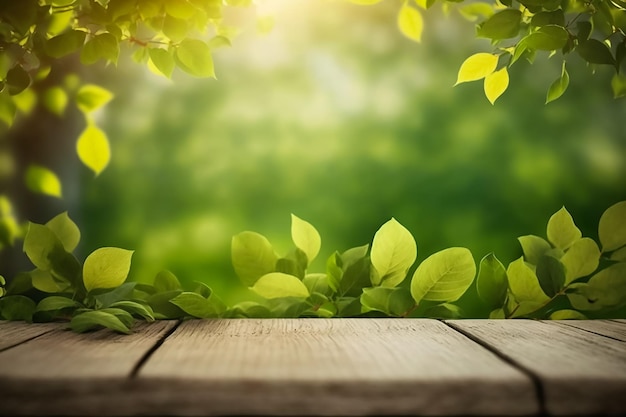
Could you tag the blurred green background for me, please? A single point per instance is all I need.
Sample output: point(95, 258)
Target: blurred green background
point(337, 118)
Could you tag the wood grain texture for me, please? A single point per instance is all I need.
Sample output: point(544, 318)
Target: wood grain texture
point(13, 332)
point(332, 367)
point(581, 373)
point(608, 328)
point(74, 374)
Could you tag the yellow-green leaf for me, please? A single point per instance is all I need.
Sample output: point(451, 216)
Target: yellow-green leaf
point(278, 285)
point(496, 83)
point(93, 149)
point(66, 230)
point(55, 100)
point(106, 268)
point(524, 283)
point(562, 231)
point(612, 228)
point(581, 259)
point(411, 23)
point(42, 180)
point(477, 67)
point(194, 57)
point(559, 86)
point(91, 97)
point(305, 237)
point(393, 252)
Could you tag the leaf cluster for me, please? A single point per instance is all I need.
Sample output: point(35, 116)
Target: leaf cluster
point(566, 276)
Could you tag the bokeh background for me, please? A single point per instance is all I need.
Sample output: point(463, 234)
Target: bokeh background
point(337, 118)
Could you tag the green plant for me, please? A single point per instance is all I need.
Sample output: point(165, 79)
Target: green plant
point(565, 277)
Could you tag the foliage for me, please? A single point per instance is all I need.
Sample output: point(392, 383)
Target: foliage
point(566, 276)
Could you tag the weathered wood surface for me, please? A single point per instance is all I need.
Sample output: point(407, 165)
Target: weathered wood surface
point(350, 366)
point(64, 373)
point(317, 367)
point(580, 372)
point(13, 333)
point(608, 328)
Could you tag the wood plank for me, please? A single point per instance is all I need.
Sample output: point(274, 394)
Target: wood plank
point(13, 332)
point(74, 374)
point(329, 367)
point(608, 328)
point(580, 372)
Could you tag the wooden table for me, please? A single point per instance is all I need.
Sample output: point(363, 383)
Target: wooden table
point(317, 367)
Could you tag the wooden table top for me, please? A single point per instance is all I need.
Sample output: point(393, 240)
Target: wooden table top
point(317, 367)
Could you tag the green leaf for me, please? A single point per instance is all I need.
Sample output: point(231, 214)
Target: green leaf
point(524, 284)
point(180, 9)
point(581, 259)
point(393, 252)
point(444, 311)
point(17, 307)
point(444, 276)
point(333, 271)
point(104, 46)
point(610, 285)
point(166, 281)
point(56, 303)
point(106, 268)
point(595, 52)
point(175, 29)
point(17, 80)
point(91, 320)
point(618, 84)
point(473, 11)
point(66, 230)
point(195, 305)
point(55, 100)
point(612, 227)
point(162, 60)
point(93, 149)
point(534, 247)
point(108, 298)
point(395, 302)
point(492, 283)
point(556, 17)
point(40, 245)
point(502, 25)
point(295, 263)
point(551, 275)
point(410, 22)
point(562, 231)
point(218, 42)
point(42, 180)
point(355, 277)
point(567, 315)
point(194, 57)
point(547, 38)
point(584, 30)
point(250, 309)
point(65, 43)
point(559, 86)
point(20, 284)
point(496, 84)
point(305, 237)
point(278, 285)
point(125, 317)
point(44, 281)
point(160, 303)
point(252, 257)
point(318, 283)
point(91, 97)
point(136, 309)
point(619, 255)
point(477, 67)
